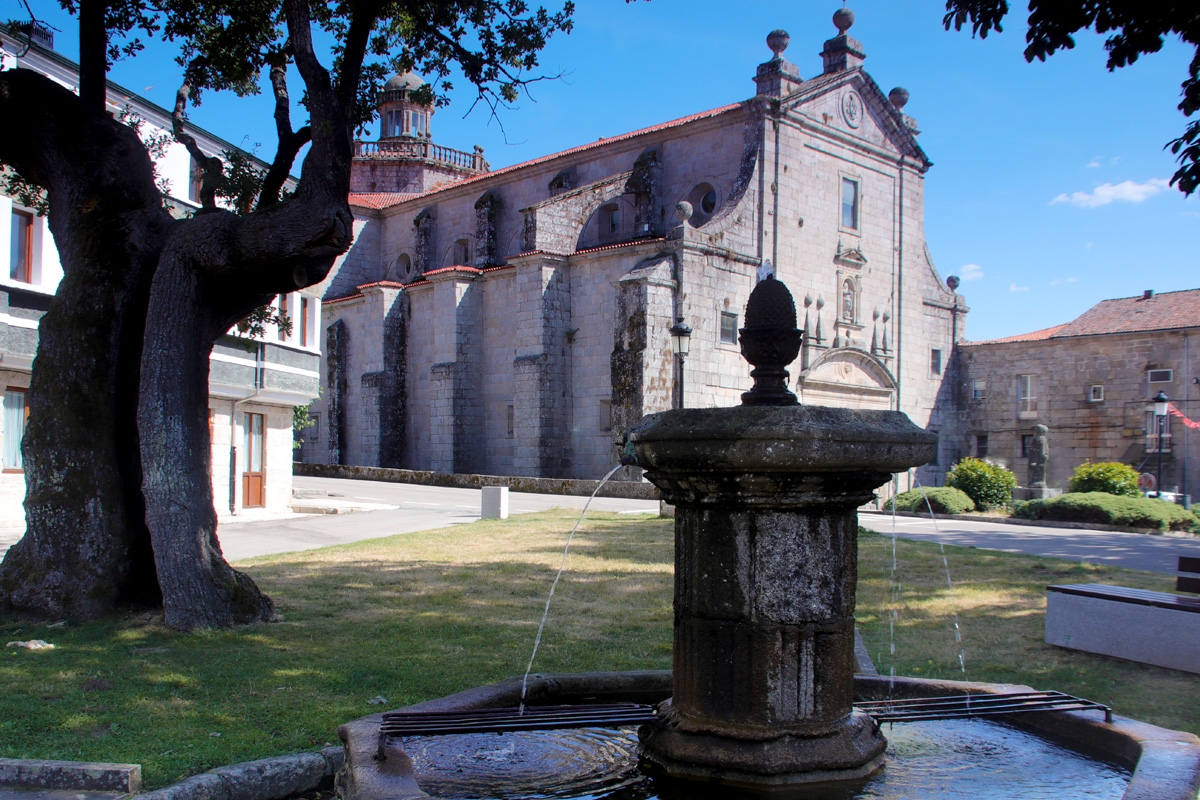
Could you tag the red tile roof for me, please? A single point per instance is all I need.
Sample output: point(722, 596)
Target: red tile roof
point(1159, 312)
point(1036, 336)
point(387, 200)
point(379, 200)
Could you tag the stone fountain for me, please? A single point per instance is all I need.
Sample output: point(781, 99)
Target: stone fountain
point(763, 680)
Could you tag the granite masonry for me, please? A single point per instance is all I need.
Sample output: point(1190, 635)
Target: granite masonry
point(516, 321)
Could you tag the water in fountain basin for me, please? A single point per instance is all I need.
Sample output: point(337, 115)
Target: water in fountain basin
point(928, 760)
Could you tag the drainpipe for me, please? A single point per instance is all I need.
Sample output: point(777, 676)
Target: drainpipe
point(233, 460)
point(1187, 382)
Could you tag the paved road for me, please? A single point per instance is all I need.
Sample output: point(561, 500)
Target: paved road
point(1129, 550)
point(390, 508)
point(393, 508)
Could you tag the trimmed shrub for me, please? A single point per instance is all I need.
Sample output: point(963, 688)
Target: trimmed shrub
point(1110, 477)
point(943, 500)
point(988, 485)
point(1109, 509)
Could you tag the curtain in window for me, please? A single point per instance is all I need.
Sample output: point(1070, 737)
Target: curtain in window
point(14, 429)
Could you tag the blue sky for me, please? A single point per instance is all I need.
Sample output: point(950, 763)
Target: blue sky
point(1048, 191)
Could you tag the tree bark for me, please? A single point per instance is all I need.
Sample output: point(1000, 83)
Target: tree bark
point(86, 546)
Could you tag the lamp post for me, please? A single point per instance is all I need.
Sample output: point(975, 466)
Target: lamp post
point(681, 341)
point(1160, 417)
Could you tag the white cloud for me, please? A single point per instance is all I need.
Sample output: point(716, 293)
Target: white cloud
point(1095, 162)
point(1061, 281)
point(1190, 213)
point(1090, 245)
point(970, 272)
point(1126, 191)
point(1012, 287)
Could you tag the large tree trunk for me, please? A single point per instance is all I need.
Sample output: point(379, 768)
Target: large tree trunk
point(86, 545)
point(200, 590)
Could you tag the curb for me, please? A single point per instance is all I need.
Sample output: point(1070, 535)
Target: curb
point(265, 779)
point(82, 776)
point(1036, 523)
point(629, 490)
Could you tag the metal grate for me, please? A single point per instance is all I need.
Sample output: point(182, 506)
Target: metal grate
point(548, 718)
point(977, 705)
point(501, 720)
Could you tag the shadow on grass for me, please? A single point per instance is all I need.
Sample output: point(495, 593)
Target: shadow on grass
point(408, 618)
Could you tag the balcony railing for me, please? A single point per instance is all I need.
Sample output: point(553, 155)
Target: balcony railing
point(424, 150)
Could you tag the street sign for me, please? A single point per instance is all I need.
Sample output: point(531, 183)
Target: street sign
point(1147, 482)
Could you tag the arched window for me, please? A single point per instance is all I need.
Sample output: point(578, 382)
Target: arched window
point(849, 300)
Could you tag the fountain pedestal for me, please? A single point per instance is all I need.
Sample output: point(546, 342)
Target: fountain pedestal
point(766, 522)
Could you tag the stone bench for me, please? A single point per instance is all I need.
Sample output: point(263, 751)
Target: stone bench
point(1134, 624)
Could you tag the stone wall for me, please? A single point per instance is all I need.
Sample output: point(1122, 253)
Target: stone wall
point(1081, 428)
point(571, 326)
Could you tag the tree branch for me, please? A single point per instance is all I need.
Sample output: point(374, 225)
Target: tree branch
point(210, 166)
point(290, 141)
point(362, 22)
point(93, 55)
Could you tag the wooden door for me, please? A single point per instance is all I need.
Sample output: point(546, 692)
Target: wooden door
point(254, 483)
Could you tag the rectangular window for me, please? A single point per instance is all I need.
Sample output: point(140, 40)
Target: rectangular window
point(729, 328)
point(304, 309)
point(20, 265)
point(1159, 376)
point(16, 411)
point(284, 307)
point(313, 434)
point(935, 362)
point(606, 425)
point(510, 422)
point(1027, 394)
point(1152, 440)
point(978, 389)
point(614, 221)
point(981, 445)
point(1026, 444)
point(850, 204)
point(1096, 394)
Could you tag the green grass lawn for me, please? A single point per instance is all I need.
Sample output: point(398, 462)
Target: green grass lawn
point(419, 616)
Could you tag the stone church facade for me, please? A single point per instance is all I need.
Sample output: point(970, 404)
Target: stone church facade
point(517, 321)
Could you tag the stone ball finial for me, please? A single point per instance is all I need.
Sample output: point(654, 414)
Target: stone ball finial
point(899, 97)
point(952, 283)
point(820, 302)
point(683, 210)
point(843, 18)
point(807, 300)
point(778, 41)
point(770, 341)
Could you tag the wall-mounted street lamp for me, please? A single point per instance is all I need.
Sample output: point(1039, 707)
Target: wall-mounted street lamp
point(681, 342)
point(1160, 417)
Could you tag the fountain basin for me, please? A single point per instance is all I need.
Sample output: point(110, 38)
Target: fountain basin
point(1165, 764)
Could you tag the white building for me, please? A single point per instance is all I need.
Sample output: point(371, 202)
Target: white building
point(254, 385)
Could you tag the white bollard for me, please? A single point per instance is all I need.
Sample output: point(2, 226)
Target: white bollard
point(495, 502)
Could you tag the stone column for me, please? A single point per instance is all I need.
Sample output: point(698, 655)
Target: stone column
point(766, 522)
point(542, 368)
point(456, 411)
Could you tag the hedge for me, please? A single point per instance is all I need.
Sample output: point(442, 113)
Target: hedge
point(988, 485)
point(1109, 509)
point(943, 499)
point(1112, 477)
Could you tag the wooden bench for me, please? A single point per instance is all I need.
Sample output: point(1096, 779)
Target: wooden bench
point(1134, 624)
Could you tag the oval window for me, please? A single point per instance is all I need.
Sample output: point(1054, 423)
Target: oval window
point(708, 203)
